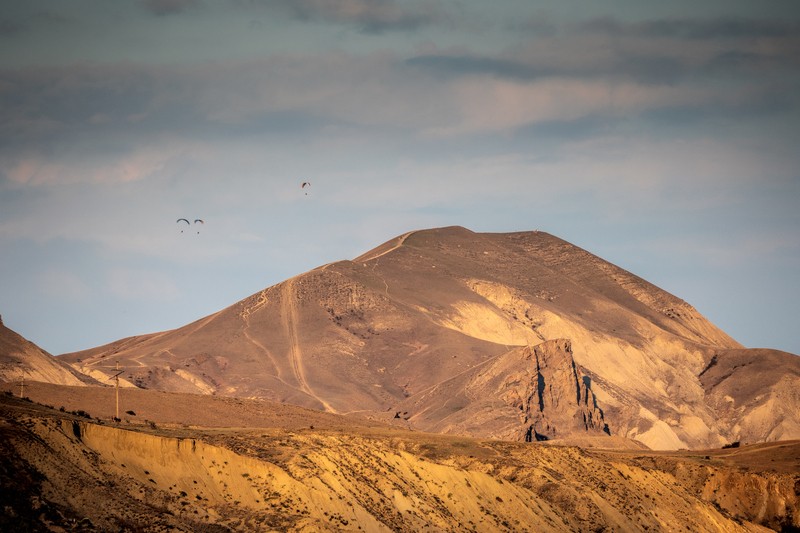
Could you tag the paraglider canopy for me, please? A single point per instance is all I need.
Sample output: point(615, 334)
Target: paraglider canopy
point(196, 221)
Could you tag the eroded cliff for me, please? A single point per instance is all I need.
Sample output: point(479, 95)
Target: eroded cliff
point(69, 472)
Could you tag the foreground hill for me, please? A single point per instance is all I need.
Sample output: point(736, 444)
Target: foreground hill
point(449, 309)
point(62, 472)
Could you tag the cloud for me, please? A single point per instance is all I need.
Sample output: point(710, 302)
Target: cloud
point(37, 168)
point(62, 284)
point(701, 29)
point(651, 69)
point(169, 7)
point(702, 45)
point(10, 27)
point(656, 51)
point(465, 65)
point(617, 53)
point(369, 16)
point(142, 285)
point(128, 122)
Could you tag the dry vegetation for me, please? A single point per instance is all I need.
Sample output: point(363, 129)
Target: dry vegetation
point(300, 473)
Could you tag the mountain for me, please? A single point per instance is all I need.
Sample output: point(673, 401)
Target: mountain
point(439, 329)
point(21, 359)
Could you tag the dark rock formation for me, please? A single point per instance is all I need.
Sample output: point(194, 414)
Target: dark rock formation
point(560, 398)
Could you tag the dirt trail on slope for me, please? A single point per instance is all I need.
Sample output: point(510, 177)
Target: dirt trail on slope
point(289, 316)
point(245, 316)
point(400, 241)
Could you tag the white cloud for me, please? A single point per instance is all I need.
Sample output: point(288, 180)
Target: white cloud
point(142, 285)
point(62, 285)
point(37, 168)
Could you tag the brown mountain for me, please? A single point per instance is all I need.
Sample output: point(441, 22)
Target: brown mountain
point(22, 360)
point(440, 328)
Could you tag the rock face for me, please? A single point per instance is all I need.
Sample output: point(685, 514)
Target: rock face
point(560, 396)
point(428, 311)
point(528, 394)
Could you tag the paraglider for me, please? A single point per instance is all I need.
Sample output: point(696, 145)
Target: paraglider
point(188, 224)
point(305, 184)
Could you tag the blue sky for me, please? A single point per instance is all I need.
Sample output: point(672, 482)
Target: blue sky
point(660, 136)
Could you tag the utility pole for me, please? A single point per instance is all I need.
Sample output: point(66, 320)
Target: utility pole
point(116, 386)
point(22, 385)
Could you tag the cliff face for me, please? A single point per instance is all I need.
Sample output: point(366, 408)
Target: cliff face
point(59, 472)
point(531, 393)
point(561, 400)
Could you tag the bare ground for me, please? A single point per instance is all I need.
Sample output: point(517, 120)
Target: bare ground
point(272, 467)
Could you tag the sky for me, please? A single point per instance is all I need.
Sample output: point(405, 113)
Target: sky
point(660, 136)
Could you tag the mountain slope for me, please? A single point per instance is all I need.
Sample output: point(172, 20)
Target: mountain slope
point(526, 394)
point(757, 391)
point(372, 334)
point(22, 359)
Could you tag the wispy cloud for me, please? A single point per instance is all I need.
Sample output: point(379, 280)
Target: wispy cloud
point(169, 7)
point(369, 16)
point(142, 285)
point(9, 27)
point(464, 65)
point(727, 28)
point(62, 284)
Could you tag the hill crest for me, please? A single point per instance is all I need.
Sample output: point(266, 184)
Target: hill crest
point(372, 334)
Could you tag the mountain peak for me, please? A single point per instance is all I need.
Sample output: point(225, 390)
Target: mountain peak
point(426, 311)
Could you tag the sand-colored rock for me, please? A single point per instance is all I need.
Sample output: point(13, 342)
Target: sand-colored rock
point(60, 471)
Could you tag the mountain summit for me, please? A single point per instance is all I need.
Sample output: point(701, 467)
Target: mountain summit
point(456, 331)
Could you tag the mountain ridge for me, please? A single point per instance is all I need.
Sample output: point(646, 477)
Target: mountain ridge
point(21, 359)
point(370, 333)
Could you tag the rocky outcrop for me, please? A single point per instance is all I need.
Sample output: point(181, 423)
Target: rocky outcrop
point(559, 400)
point(527, 394)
